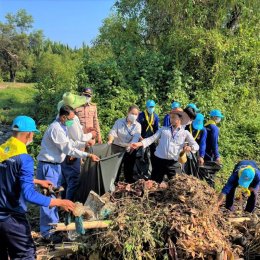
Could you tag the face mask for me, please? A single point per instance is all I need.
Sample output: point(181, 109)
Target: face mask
point(132, 118)
point(150, 110)
point(69, 123)
point(218, 120)
point(88, 99)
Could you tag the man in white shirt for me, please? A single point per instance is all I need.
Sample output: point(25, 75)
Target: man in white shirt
point(54, 148)
point(172, 140)
point(70, 167)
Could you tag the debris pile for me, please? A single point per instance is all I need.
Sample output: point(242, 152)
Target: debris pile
point(176, 220)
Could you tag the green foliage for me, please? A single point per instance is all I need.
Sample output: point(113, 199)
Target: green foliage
point(205, 52)
point(35, 147)
point(55, 75)
point(191, 51)
point(14, 43)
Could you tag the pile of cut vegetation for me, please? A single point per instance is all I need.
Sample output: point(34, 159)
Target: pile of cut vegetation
point(174, 220)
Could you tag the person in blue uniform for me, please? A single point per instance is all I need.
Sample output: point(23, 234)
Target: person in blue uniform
point(212, 153)
point(16, 189)
point(191, 110)
point(246, 176)
point(149, 121)
point(199, 132)
point(166, 120)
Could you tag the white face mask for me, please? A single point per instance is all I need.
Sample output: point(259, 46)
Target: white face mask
point(88, 99)
point(132, 118)
point(218, 119)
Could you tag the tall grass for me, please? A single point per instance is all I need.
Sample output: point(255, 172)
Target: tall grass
point(16, 99)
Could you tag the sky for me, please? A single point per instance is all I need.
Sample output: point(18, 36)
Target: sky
point(70, 22)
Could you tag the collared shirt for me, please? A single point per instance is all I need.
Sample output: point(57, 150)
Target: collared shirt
point(88, 117)
point(124, 134)
point(56, 145)
point(171, 142)
point(76, 133)
point(233, 179)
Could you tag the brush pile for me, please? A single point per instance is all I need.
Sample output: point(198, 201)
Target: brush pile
point(174, 220)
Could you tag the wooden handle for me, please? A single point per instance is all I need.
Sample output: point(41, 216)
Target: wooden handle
point(86, 225)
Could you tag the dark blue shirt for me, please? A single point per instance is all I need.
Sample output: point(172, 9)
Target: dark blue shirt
point(200, 139)
point(166, 120)
point(212, 153)
point(155, 125)
point(233, 179)
point(17, 187)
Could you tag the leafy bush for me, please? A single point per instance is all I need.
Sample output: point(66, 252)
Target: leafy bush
point(56, 75)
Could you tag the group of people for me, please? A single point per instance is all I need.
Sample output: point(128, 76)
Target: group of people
point(65, 144)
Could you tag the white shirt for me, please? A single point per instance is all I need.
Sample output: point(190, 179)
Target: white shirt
point(171, 142)
point(76, 133)
point(124, 134)
point(56, 145)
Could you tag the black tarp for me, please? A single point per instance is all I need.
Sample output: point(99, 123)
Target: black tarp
point(142, 167)
point(99, 176)
point(205, 172)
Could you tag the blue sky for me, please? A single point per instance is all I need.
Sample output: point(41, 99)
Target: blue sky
point(70, 22)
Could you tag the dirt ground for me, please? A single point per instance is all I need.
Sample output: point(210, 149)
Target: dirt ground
point(4, 85)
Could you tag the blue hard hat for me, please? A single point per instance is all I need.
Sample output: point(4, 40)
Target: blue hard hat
point(194, 107)
point(216, 112)
point(175, 105)
point(246, 177)
point(198, 122)
point(24, 124)
point(150, 103)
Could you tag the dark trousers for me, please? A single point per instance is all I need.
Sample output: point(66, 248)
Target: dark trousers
point(129, 161)
point(15, 239)
point(164, 166)
point(251, 201)
point(70, 177)
point(152, 150)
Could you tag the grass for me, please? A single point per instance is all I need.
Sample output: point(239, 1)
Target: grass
point(15, 99)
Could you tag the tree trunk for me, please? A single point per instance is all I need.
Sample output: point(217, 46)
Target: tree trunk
point(12, 75)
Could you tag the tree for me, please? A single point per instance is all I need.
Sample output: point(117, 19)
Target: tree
point(14, 42)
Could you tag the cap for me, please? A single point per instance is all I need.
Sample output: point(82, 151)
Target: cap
point(246, 177)
point(150, 103)
point(175, 104)
point(194, 107)
point(87, 91)
point(24, 124)
point(198, 122)
point(216, 112)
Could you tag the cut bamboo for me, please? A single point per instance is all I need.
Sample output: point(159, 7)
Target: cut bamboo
point(238, 220)
point(86, 225)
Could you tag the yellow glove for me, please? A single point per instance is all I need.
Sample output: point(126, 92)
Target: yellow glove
point(242, 190)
